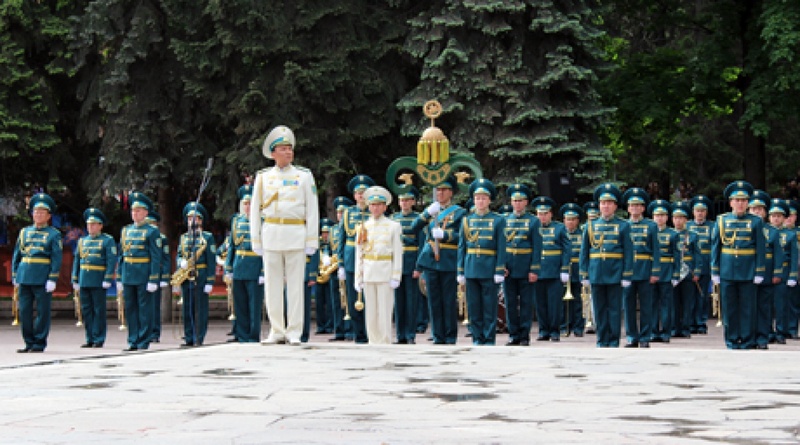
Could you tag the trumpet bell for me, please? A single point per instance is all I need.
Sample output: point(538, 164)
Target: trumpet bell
point(568, 294)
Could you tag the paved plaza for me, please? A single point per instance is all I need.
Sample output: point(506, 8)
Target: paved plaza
point(691, 391)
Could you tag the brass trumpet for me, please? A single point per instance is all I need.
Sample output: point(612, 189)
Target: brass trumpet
point(229, 293)
point(15, 306)
point(586, 305)
point(716, 304)
point(76, 298)
point(343, 298)
point(568, 297)
point(463, 310)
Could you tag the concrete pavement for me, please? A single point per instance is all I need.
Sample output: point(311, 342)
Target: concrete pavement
point(687, 392)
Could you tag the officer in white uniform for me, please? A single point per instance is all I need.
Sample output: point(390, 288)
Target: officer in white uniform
point(285, 200)
point(379, 265)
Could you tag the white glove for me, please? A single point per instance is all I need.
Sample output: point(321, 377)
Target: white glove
point(675, 283)
point(152, 287)
point(564, 277)
point(120, 286)
point(791, 283)
point(261, 280)
point(258, 251)
point(715, 279)
point(437, 233)
point(227, 276)
point(176, 290)
point(76, 286)
point(499, 279)
point(207, 288)
point(14, 282)
point(310, 251)
point(50, 286)
point(183, 263)
point(394, 284)
point(341, 274)
point(326, 261)
point(106, 284)
point(585, 283)
point(626, 283)
point(163, 284)
point(758, 280)
point(434, 209)
point(357, 286)
point(461, 279)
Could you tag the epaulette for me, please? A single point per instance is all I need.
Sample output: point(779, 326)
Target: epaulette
point(264, 170)
point(301, 168)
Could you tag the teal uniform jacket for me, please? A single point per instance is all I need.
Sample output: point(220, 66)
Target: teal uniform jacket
point(204, 252)
point(241, 261)
point(668, 266)
point(312, 270)
point(775, 257)
point(352, 217)
point(788, 242)
point(690, 255)
point(645, 248)
point(738, 251)
point(37, 256)
point(703, 232)
point(411, 238)
point(523, 245)
point(166, 259)
point(449, 219)
point(141, 252)
point(482, 246)
point(95, 261)
point(575, 255)
point(607, 251)
point(556, 249)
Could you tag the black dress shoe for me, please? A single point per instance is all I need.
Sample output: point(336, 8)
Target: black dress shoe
point(762, 347)
point(231, 340)
point(780, 341)
point(98, 345)
point(657, 340)
point(411, 341)
point(37, 351)
point(24, 350)
point(555, 339)
point(524, 342)
point(578, 334)
point(87, 345)
point(401, 342)
point(644, 344)
point(155, 340)
point(513, 343)
point(187, 345)
point(130, 349)
point(632, 345)
point(542, 338)
point(337, 339)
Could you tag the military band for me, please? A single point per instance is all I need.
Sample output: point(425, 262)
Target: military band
point(92, 273)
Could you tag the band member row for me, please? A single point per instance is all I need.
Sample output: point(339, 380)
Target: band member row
point(607, 264)
point(407, 296)
point(139, 271)
point(738, 256)
point(285, 201)
point(482, 262)
point(523, 265)
point(438, 260)
point(245, 269)
point(352, 217)
point(379, 265)
point(554, 273)
point(35, 265)
point(92, 273)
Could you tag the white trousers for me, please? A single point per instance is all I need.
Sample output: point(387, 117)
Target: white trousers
point(378, 305)
point(290, 265)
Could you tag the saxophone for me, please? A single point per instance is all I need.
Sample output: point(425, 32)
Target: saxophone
point(190, 271)
point(326, 271)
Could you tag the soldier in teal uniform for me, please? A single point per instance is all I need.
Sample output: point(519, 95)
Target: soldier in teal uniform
point(246, 270)
point(573, 309)
point(738, 258)
point(35, 265)
point(667, 269)
point(607, 264)
point(554, 271)
point(153, 218)
point(407, 296)
point(322, 308)
point(523, 264)
point(703, 227)
point(309, 292)
point(783, 273)
point(645, 253)
point(92, 273)
point(197, 256)
point(438, 260)
point(592, 213)
point(685, 292)
point(506, 209)
point(779, 210)
point(773, 269)
point(139, 271)
point(482, 262)
point(793, 297)
point(341, 320)
point(351, 218)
